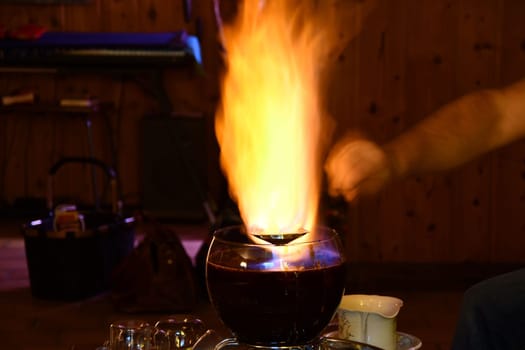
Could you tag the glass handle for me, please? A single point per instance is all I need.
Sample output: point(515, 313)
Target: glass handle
point(208, 341)
point(225, 343)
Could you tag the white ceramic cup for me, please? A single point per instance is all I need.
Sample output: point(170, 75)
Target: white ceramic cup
point(370, 319)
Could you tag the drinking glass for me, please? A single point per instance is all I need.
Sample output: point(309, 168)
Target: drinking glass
point(178, 332)
point(130, 335)
point(275, 295)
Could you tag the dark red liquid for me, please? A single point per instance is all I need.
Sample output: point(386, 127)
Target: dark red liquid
point(276, 307)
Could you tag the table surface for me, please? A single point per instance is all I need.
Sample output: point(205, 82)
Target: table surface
point(27, 323)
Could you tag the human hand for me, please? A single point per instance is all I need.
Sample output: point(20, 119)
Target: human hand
point(356, 166)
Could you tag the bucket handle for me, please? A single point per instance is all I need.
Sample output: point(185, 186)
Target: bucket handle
point(109, 171)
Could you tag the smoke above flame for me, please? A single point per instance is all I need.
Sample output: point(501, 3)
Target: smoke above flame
point(271, 125)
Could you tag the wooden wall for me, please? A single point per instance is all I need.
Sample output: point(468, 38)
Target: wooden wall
point(408, 58)
point(31, 143)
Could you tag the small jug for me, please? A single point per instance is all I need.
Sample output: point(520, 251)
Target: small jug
point(370, 319)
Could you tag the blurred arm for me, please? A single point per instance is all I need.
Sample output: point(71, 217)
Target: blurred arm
point(460, 131)
point(456, 133)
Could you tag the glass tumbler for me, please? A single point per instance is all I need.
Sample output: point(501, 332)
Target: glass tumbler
point(178, 332)
point(130, 335)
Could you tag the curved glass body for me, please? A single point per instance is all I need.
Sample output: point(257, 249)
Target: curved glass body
point(275, 295)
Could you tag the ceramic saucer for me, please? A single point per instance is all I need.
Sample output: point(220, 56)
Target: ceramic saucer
point(405, 341)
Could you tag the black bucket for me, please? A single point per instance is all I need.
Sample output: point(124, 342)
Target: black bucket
point(74, 259)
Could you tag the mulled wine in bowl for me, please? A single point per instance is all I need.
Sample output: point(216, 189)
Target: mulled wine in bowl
point(275, 295)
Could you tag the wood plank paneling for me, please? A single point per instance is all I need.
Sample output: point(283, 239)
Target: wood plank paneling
point(477, 66)
point(429, 69)
point(342, 102)
point(14, 16)
point(508, 181)
point(408, 57)
point(131, 100)
point(120, 15)
point(160, 15)
point(82, 17)
point(387, 116)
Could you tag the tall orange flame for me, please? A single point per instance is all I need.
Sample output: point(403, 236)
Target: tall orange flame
point(270, 126)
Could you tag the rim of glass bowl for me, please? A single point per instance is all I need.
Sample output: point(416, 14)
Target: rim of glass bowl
point(238, 235)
